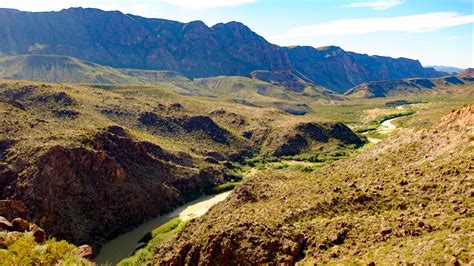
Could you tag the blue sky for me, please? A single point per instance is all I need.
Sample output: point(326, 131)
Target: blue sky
point(437, 32)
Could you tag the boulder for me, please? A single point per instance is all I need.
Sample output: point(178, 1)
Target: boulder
point(5, 224)
point(385, 231)
point(84, 251)
point(20, 224)
point(38, 234)
point(338, 238)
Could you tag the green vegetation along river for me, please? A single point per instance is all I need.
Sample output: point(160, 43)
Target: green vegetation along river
point(122, 246)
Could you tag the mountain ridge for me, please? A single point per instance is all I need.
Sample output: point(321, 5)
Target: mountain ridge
point(118, 40)
point(377, 89)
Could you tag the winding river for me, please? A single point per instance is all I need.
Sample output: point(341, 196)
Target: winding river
point(385, 127)
point(122, 246)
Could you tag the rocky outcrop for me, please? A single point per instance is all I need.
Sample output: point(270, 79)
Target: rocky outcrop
point(23, 226)
point(126, 182)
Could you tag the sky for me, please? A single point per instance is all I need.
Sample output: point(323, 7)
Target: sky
point(436, 32)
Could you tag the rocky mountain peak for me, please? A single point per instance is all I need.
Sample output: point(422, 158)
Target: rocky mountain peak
point(196, 25)
point(115, 39)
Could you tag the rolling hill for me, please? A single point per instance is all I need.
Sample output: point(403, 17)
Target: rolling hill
point(276, 90)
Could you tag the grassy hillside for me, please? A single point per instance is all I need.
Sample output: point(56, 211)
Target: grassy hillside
point(63, 69)
point(405, 200)
point(48, 68)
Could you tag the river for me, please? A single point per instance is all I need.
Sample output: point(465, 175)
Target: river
point(385, 127)
point(122, 246)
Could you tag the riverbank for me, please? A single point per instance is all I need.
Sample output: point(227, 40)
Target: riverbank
point(122, 246)
point(385, 128)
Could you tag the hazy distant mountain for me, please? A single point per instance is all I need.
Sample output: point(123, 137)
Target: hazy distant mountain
point(448, 69)
point(193, 49)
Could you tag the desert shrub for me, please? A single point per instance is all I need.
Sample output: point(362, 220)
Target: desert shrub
point(280, 166)
point(21, 249)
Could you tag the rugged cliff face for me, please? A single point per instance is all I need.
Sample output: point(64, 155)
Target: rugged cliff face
point(91, 192)
point(339, 70)
point(193, 49)
point(127, 41)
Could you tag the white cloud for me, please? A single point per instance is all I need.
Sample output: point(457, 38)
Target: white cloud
point(204, 4)
point(414, 23)
point(377, 5)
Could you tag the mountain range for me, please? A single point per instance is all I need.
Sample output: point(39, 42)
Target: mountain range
point(118, 40)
